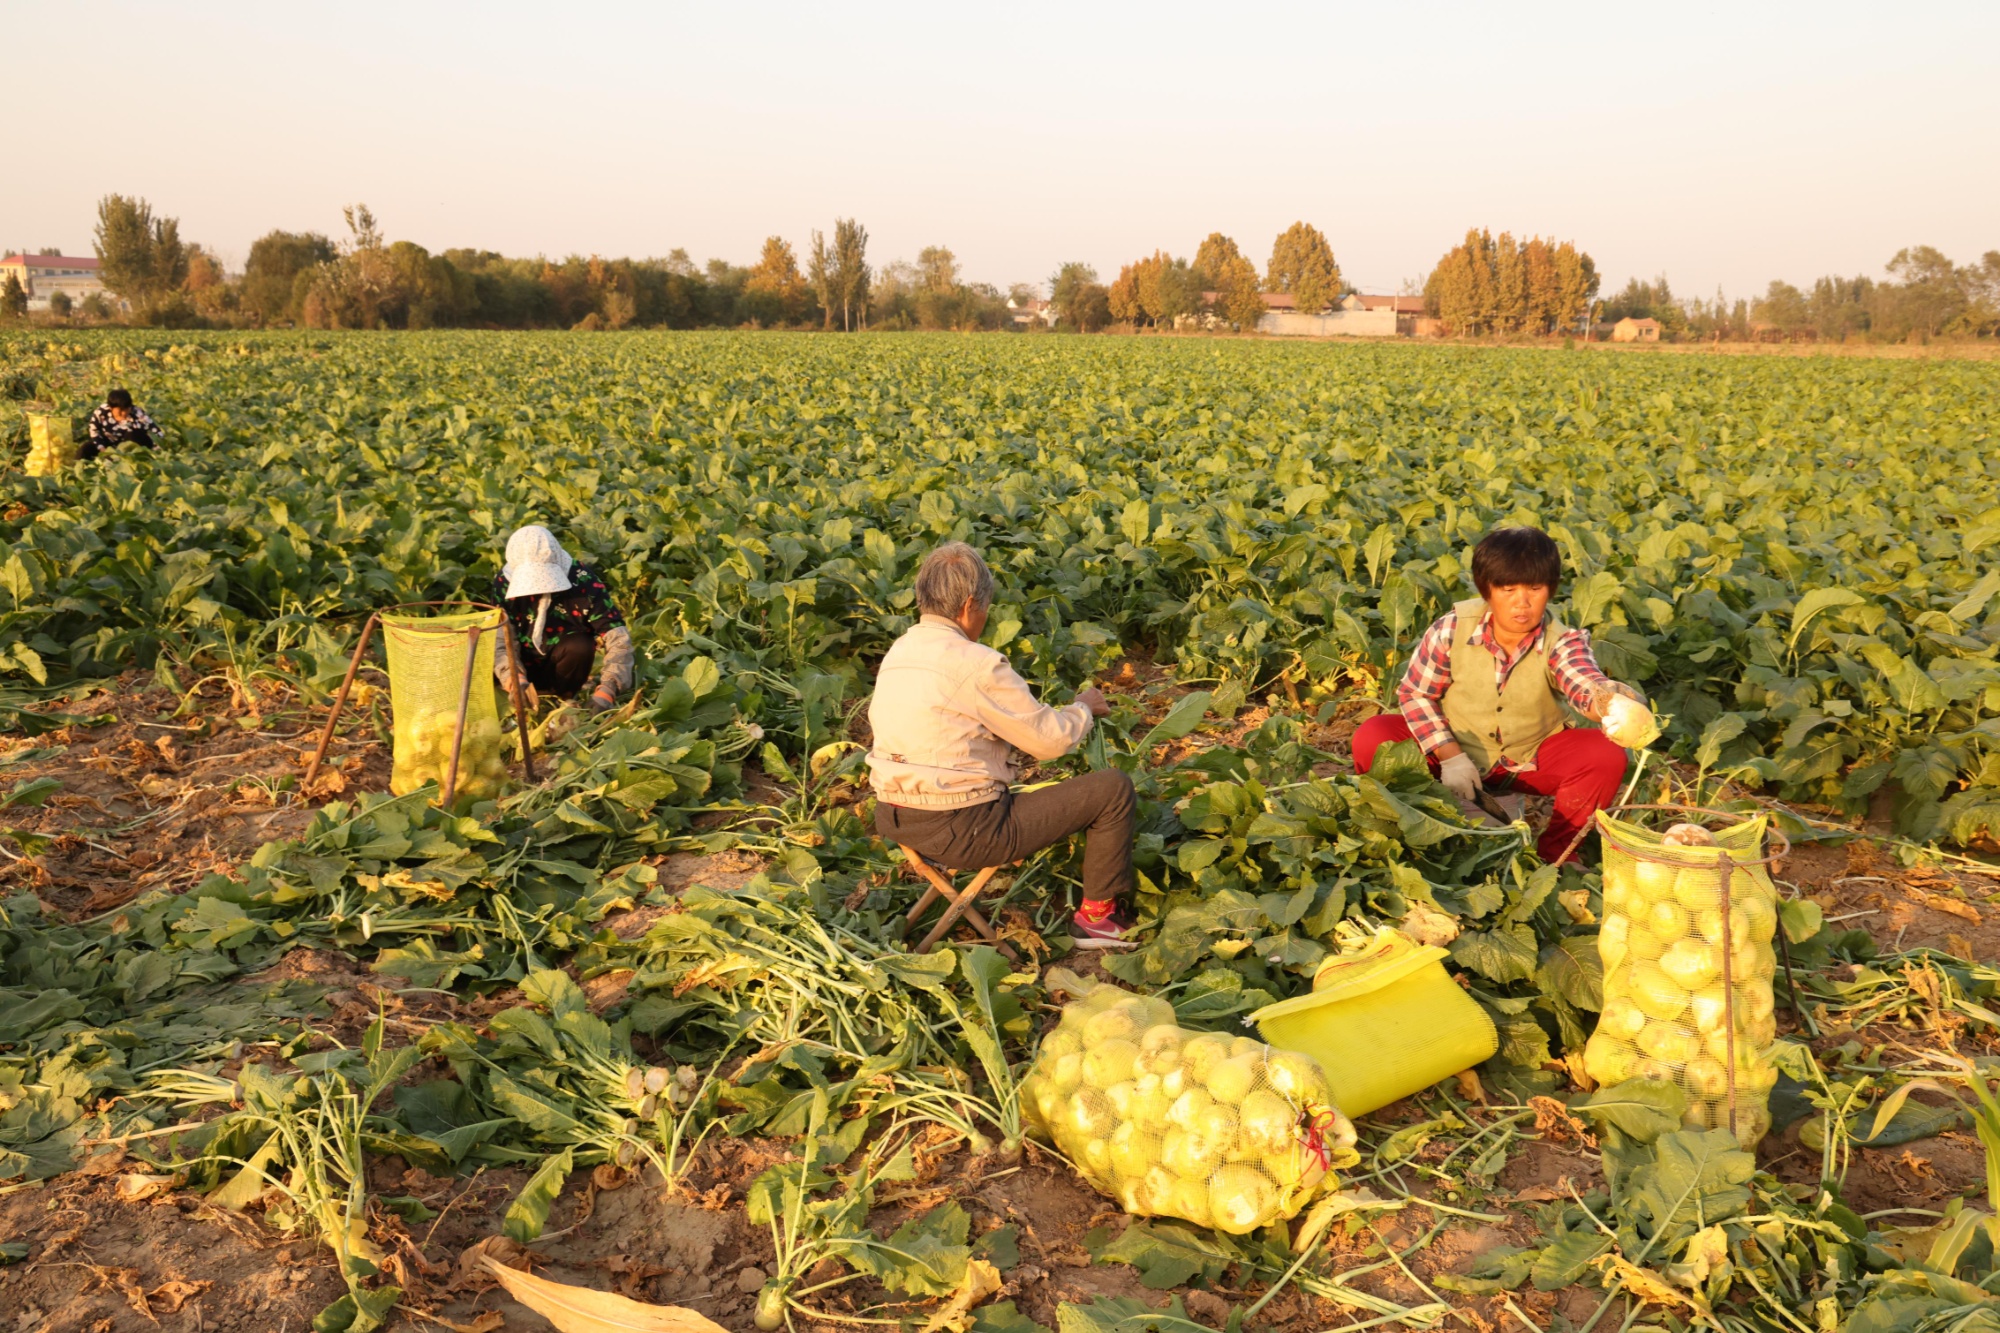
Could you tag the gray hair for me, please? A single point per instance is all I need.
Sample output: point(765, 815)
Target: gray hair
point(950, 576)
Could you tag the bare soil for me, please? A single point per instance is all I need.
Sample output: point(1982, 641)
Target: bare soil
point(154, 799)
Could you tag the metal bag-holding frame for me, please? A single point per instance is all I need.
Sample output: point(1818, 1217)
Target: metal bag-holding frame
point(472, 633)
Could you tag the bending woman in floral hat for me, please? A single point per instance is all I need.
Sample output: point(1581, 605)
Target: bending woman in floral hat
point(561, 611)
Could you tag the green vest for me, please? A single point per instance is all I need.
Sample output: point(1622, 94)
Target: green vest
point(1492, 724)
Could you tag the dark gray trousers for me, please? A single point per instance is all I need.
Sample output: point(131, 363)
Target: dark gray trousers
point(1018, 825)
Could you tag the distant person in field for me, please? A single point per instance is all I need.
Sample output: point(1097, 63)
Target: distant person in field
point(561, 614)
point(947, 715)
point(116, 422)
point(1485, 690)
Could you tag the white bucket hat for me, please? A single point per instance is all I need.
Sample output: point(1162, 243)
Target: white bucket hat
point(537, 566)
point(536, 563)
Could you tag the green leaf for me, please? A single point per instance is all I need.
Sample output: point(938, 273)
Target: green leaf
point(1299, 497)
point(30, 791)
point(1003, 1317)
point(775, 766)
point(359, 1311)
point(1721, 730)
point(1410, 1140)
point(1416, 828)
point(925, 1256)
point(1801, 918)
point(1900, 1120)
point(407, 1206)
point(1000, 1247)
point(702, 676)
point(1502, 1268)
point(1125, 1314)
point(1565, 1260)
point(1910, 1122)
point(243, 1189)
point(1401, 766)
point(1911, 688)
point(1498, 955)
point(529, 1212)
point(1644, 1109)
point(1523, 1050)
point(1181, 719)
point(1976, 597)
point(1381, 543)
point(1591, 598)
point(1816, 603)
point(1697, 1178)
point(1168, 1254)
point(446, 1114)
point(1571, 969)
point(1135, 523)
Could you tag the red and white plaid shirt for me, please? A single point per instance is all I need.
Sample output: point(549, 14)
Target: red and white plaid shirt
point(1421, 694)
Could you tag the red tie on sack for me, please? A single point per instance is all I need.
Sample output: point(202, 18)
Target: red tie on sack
point(1312, 1130)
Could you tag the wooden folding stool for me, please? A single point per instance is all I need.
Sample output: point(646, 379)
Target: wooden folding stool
point(958, 902)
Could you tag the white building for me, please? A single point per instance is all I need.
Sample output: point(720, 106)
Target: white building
point(42, 276)
point(1024, 314)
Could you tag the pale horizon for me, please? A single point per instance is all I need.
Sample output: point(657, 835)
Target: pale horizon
point(1721, 147)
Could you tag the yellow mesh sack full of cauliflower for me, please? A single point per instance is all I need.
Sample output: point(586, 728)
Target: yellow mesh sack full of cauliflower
point(427, 665)
point(1220, 1131)
point(1688, 995)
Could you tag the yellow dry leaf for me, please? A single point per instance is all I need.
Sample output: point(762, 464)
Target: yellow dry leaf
point(1707, 1254)
point(490, 1322)
point(1427, 926)
point(981, 1280)
point(175, 1293)
point(1643, 1284)
point(1322, 1215)
point(134, 1186)
point(349, 1238)
point(582, 1310)
point(434, 889)
point(720, 973)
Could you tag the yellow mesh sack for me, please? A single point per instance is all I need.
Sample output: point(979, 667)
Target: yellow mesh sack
point(1665, 944)
point(51, 444)
point(1383, 1022)
point(1219, 1131)
point(427, 666)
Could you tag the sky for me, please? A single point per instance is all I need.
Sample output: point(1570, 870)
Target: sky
point(1722, 145)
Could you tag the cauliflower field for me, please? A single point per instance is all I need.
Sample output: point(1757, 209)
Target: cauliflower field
point(556, 1036)
point(1795, 558)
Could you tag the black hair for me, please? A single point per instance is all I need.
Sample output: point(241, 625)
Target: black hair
point(119, 398)
point(1507, 556)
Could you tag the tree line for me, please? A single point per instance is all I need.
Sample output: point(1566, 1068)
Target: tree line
point(1926, 296)
point(1484, 286)
point(366, 281)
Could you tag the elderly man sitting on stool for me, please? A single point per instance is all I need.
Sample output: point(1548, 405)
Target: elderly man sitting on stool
point(947, 714)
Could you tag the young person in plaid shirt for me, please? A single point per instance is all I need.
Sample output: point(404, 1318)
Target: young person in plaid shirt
point(1485, 690)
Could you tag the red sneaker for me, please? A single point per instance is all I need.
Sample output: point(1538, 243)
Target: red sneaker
point(1108, 932)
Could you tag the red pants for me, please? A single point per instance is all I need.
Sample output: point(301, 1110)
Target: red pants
point(1581, 768)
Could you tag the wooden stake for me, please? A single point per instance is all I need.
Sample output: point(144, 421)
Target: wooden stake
point(464, 700)
point(340, 699)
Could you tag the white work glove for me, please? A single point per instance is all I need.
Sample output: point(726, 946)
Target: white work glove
point(1461, 775)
